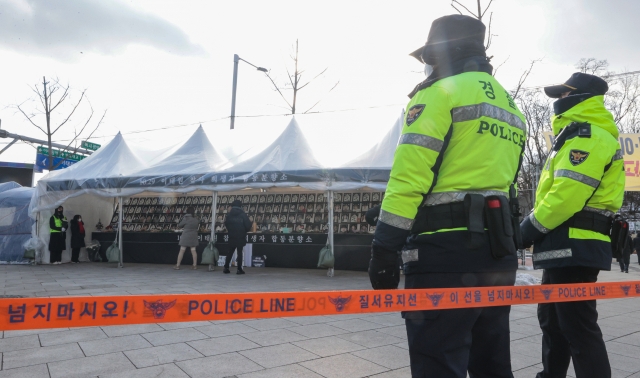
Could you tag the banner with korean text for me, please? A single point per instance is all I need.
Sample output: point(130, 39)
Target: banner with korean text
point(57, 312)
point(630, 146)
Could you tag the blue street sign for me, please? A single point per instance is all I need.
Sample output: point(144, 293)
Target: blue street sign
point(42, 161)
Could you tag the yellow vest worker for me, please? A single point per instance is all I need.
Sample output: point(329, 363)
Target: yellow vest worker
point(581, 187)
point(57, 236)
point(457, 158)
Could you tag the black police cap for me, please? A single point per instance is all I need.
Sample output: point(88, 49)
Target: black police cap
point(451, 32)
point(579, 82)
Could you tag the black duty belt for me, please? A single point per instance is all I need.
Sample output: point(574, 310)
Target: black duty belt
point(591, 221)
point(438, 217)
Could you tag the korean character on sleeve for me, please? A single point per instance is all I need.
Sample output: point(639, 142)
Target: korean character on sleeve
point(376, 301)
point(508, 294)
point(467, 297)
point(477, 296)
point(453, 297)
point(501, 295)
point(518, 294)
point(491, 295)
point(17, 315)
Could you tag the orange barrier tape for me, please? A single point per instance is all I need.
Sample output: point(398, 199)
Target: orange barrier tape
point(34, 313)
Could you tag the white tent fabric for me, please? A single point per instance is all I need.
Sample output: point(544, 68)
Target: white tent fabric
point(287, 162)
point(196, 155)
point(372, 168)
point(91, 175)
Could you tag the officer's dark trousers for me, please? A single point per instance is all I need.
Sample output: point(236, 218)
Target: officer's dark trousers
point(570, 330)
point(232, 247)
point(448, 343)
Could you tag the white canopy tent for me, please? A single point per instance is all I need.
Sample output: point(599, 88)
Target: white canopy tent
point(115, 171)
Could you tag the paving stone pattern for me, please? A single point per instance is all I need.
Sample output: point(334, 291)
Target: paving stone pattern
point(343, 346)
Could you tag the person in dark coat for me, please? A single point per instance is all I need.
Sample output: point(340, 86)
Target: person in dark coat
point(58, 239)
point(636, 246)
point(626, 255)
point(238, 224)
point(77, 237)
point(189, 238)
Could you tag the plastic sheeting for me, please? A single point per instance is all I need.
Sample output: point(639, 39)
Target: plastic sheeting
point(371, 169)
point(15, 223)
point(8, 186)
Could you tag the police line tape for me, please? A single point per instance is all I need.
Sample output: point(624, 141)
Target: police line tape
point(57, 312)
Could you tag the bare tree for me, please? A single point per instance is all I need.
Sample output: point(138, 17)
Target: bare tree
point(593, 66)
point(52, 96)
point(295, 83)
point(537, 110)
point(479, 14)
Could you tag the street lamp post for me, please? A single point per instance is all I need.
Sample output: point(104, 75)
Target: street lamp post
point(236, 59)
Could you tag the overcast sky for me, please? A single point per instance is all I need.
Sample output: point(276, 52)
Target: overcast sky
point(155, 64)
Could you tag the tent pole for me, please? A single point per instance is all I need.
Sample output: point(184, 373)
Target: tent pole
point(214, 204)
point(120, 212)
point(330, 234)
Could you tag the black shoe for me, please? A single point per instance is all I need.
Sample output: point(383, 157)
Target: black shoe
point(240, 271)
point(226, 270)
point(626, 271)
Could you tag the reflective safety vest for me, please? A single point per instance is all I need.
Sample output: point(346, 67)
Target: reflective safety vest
point(462, 134)
point(58, 223)
point(586, 173)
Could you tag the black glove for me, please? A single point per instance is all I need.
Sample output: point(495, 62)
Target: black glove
point(529, 233)
point(384, 270)
point(372, 215)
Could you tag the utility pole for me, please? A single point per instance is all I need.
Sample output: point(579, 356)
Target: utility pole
point(236, 58)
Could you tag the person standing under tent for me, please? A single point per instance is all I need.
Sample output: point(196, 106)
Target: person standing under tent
point(58, 237)
point(189, 237)
point(455, 166)
point(77, 237)
point(237, 224)
point(581, 188)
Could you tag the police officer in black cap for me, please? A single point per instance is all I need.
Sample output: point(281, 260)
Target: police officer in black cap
point(449, 169)
point(581, 188)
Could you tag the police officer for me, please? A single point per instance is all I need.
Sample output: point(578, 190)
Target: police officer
point(581, 187)
point(460, 149)
point(58, 237)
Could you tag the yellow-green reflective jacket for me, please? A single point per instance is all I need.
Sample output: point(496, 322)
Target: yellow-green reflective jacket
point(585, 174)
point(470, 123)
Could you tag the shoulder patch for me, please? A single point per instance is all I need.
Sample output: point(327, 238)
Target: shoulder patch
point(413, 113)
point(577, 157)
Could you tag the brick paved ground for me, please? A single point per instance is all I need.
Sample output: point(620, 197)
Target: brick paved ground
point(324, 346)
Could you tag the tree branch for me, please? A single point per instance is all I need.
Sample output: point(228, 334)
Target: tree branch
point(314, 105)
point(278, 89)
point(318, 75)
point(462, 5)
point(487, 8)
point(70, 114)
point(29, 118)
